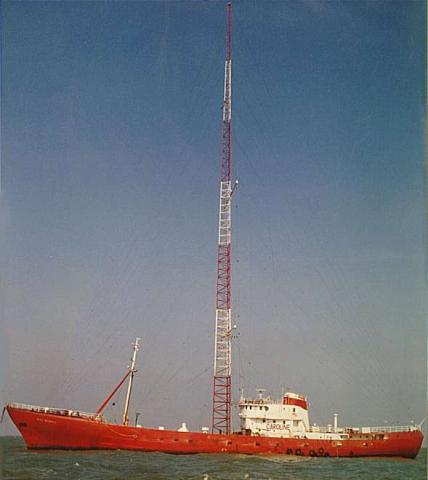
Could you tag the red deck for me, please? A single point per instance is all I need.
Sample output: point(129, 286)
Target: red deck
point(51, 431)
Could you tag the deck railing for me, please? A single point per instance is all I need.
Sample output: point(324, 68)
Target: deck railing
point(55, 411)
point(395, 428)
point(355, 430)
point(319, 429)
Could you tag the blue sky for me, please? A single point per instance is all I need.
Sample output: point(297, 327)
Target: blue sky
point(110, 163)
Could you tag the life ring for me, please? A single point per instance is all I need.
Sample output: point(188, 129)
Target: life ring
point(298, 451)
point(289, 451)
point(321, 451)
point(312, 453)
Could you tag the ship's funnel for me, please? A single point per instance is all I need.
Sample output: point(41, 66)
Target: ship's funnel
point(335, 422)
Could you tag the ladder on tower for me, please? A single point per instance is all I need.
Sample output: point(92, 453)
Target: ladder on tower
point(222, 394)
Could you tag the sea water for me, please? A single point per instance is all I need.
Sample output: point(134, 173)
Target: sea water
point(21, 464)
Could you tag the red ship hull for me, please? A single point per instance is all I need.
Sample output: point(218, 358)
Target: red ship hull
point(52, 431)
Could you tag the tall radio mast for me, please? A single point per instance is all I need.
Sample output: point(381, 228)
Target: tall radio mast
point(222, 395)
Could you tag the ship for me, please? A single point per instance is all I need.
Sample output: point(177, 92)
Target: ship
point(267, 426)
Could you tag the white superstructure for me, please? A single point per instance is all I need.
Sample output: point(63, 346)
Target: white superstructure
point(287, 417)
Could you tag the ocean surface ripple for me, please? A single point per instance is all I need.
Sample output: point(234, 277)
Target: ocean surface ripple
point(20, 464)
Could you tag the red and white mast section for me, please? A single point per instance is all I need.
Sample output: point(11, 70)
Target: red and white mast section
point(222, 395)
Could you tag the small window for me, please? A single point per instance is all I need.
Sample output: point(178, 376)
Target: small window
point(264, 420)
point(274, 421)
point(251, 407)
point(283, 422)
point(266, 408)
point(260, 408)
point(294, 410)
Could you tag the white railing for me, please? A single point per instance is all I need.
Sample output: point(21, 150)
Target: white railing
point(55, 411)
point(389, 429)
point(260, 401)
point(319, 429)
point(363, 430)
